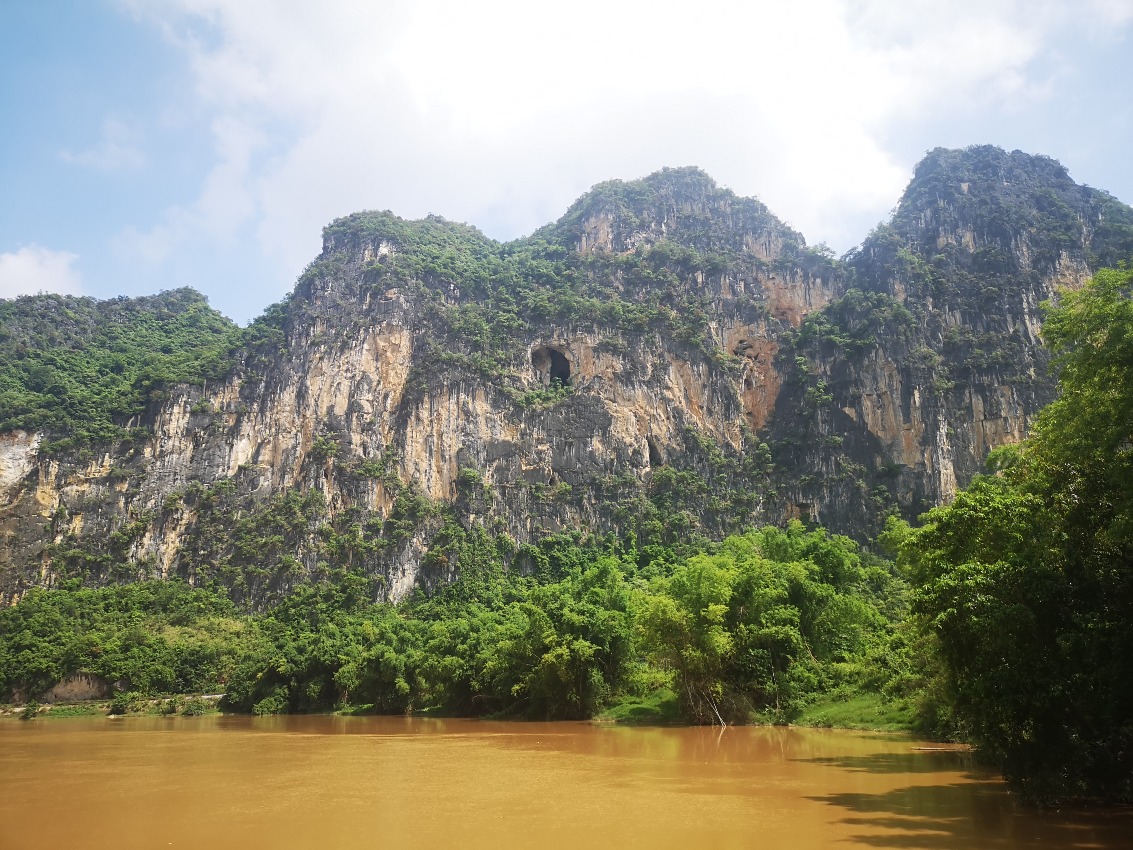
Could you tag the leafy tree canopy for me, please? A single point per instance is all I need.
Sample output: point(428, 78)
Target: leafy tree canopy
point(80, 368)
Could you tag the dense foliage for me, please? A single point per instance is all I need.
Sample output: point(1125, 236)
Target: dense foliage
point(161, 637)
point(1026, 580)
point(757, 626)
point(80, 368)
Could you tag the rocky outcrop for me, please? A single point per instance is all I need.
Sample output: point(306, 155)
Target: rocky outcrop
point(666, 360)
point(80, 686)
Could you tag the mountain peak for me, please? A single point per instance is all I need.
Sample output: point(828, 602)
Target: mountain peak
point(989, 163)
point(682, 205)
point(1024, 207)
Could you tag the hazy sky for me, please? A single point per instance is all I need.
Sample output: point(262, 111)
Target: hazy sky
point(150, 144)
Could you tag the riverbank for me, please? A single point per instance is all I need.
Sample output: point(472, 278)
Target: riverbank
point(865, 712)
point(122, 705)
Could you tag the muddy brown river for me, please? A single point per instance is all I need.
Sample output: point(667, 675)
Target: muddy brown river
point(221, 782)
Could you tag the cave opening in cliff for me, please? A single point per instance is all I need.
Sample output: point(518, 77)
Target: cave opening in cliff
point(560, 368)
point(552, 365)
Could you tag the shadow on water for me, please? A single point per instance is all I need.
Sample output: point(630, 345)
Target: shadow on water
point(930, 761)
point(967, 814)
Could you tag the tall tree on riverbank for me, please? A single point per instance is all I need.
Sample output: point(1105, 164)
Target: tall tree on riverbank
point(1027, 578)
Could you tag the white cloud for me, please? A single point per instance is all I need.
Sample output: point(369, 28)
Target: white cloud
point(33, 269)
point(118, 149)
point(1109, 14)
point(224, 205)
point(500, 113)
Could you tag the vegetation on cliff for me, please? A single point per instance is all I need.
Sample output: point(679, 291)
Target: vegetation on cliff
point(80, 369)
point(666, 232)
point(941, 291)
point(940, 310)
point(1005, 201)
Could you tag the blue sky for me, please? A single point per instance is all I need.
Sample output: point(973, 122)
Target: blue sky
point(150, 144)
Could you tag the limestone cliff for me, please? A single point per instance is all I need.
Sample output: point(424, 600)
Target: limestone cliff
point(933, 358)
point(668, 359)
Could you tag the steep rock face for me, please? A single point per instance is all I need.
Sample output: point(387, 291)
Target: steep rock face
point(936, 358)
point(668, 359)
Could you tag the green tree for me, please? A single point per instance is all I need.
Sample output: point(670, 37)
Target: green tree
point(1084, 440)
point(759, 627)
point(1027, 578)
point(684, 623)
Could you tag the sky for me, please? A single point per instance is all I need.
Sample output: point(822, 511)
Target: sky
point(151, 144)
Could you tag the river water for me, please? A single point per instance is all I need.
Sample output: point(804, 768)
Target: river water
point(221, 782)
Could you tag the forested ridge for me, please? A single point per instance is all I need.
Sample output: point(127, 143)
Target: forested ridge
point(80, 369)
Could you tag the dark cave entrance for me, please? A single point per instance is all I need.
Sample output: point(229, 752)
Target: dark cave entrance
point(560, 368)
point(552, 365)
